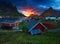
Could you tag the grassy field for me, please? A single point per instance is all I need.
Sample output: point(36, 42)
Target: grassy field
point(25, 38)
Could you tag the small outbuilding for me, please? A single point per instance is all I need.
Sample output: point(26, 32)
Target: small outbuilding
point(35, 27)
point(9, 24)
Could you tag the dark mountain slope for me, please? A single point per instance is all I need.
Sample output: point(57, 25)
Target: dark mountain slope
point(50, 13)
point(7, 9)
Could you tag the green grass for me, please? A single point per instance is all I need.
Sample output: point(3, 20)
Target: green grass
point(56, 26)
point(25, 38)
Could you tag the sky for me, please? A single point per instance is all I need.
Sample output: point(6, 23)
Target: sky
point(36, 5)
point(39, 4)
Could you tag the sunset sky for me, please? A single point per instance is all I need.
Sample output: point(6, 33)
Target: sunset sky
point(36, 5)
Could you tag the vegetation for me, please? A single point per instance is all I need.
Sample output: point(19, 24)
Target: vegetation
point(57, 26)
point(25, 38)
point(23, 26)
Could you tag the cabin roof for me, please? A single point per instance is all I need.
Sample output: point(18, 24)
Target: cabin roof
point(7, 20)
point(31, 23)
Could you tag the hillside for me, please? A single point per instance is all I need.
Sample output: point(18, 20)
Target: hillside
point(51, 13)
point(7, 9)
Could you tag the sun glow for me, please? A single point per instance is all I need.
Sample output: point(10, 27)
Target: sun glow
point(27, 12)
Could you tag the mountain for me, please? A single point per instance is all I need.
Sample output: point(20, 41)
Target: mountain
point(21, 15)
point(7, 9)
point(50, 13)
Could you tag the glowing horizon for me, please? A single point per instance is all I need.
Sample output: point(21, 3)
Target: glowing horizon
point(28, 11)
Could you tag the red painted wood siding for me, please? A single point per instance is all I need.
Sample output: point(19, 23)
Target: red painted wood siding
point(48, 25)
point(39, 26)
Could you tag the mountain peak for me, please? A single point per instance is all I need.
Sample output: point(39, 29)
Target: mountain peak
point(50, 9)
point(50, 13)
point(7, 9)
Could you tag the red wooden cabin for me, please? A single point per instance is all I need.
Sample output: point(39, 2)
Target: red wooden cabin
point(35, 27)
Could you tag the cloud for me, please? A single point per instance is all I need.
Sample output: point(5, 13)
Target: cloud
point(42, 6)
point(43, 2)
point(56, 4)
point(36, 4)
point(56, 7)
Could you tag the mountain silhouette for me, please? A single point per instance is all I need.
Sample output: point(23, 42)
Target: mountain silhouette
point(7, 9)
point(50, 13)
